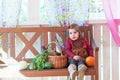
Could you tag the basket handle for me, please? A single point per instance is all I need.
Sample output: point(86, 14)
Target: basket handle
point(53, 42)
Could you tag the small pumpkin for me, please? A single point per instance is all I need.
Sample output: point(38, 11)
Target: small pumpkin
point(22, 65)
point(90, 61)
point(32, 66)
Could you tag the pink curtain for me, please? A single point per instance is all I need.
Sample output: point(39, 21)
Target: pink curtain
point(112, 13)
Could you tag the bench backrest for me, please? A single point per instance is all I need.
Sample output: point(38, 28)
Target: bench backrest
point(22, 43)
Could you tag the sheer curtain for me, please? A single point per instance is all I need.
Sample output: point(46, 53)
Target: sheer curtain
point(9, 12)
point(112, 13)
point(66, 12)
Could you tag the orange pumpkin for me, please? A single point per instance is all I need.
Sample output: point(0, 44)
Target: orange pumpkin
point(89, 61)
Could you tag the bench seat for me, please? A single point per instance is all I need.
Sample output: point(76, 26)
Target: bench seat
point(52, 72)
point(28, 40)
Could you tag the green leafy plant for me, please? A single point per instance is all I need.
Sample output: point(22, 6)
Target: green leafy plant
point(38, 62)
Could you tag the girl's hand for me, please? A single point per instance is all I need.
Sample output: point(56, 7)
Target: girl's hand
point(76, 57)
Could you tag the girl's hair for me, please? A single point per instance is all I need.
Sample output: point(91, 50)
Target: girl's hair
point(76, 27)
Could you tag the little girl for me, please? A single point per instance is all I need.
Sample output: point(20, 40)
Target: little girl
point(77, 49)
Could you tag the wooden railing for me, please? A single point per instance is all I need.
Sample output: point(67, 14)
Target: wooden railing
point(108, 54)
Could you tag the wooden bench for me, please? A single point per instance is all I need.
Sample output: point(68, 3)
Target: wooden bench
point(13, 38)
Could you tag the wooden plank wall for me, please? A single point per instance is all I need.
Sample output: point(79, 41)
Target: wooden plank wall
point(108, 53)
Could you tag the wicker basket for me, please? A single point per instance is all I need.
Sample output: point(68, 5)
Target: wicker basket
point(59, 61)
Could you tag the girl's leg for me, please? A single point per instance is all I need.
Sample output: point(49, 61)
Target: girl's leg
point(81, 70)
point(72, 68)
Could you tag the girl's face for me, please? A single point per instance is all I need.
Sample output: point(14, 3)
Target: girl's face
point(73, 34)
